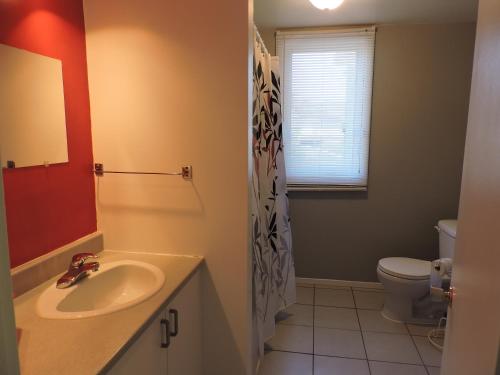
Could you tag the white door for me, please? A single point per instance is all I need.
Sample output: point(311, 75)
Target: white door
point(8, 346)
point(473, 333)
point(146, 356)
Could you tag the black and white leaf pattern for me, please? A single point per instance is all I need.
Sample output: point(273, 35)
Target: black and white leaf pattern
point(274, 271)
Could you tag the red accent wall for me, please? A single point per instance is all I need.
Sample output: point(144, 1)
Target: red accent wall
point(50, 207)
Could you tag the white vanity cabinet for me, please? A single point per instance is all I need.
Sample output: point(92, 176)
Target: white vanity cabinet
point(177, 352)
point(145, 356)
point(184, 353)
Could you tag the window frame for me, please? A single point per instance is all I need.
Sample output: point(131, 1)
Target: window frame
point(280, 37)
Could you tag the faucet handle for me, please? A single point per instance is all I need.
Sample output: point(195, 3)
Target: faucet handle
point(80, 258)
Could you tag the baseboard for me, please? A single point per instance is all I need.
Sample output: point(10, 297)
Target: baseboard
point(340, 283)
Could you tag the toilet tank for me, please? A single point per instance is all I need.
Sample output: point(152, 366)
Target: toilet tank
point(447, 234)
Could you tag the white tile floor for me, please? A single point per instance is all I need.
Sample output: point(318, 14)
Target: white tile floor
point(340, 331)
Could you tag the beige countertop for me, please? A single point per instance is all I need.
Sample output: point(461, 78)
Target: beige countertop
point(91, 345)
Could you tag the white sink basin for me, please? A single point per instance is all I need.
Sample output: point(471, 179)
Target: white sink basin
point(115, 286)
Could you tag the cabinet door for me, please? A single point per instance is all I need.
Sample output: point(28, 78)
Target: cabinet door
point(184, 353)
point(146, 355)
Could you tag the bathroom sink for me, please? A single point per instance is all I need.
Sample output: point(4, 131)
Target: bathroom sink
point(115, 286)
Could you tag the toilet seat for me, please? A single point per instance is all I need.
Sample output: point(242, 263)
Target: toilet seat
point(406, 268)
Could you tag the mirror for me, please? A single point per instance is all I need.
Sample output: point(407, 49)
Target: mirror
point(32, 111)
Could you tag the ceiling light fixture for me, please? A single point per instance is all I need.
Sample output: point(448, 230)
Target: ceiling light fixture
point(326, 4)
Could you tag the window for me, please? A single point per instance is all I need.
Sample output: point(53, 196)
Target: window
point(327, 88)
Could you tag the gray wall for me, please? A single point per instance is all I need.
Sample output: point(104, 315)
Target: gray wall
point(420, 104)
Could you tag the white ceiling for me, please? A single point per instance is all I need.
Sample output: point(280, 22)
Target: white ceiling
point(300, 13)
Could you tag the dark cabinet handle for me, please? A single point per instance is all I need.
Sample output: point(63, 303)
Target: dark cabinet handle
point(175, 314)
point(166, 328)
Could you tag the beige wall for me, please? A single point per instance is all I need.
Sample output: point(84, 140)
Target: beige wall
point(269, 39)
point(165, 91)
point(420, 103)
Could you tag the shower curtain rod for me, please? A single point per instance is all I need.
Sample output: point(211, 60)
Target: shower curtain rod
point(260, 40)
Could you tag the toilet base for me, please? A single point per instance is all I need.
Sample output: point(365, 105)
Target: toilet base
point(409, 301)
point(397, 308)
point(386, 314)
point(425, 311)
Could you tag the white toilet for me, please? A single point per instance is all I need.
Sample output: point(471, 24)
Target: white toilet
point(407, 280)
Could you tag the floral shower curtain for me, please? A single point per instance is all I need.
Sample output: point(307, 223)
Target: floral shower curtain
point(273, 266)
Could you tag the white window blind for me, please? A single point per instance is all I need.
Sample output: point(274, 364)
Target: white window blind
point(327, 89)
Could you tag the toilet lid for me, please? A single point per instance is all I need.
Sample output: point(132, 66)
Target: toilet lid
point(406, 268)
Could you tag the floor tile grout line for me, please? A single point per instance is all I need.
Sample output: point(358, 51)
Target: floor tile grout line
point(352, 290)
point(397, 363)
point(296, 325)
point(365, 309)
point(344, 287)
point(291, 352)
point(340, 307)
point(355, 358)
point(348, 329)
point(361, 333)
point(418, 351)
point(336, 307)
point(356, 289)
point(352, 293)
point(314, 323)
point(314, 306)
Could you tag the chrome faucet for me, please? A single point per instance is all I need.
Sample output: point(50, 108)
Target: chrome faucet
point(77, 270)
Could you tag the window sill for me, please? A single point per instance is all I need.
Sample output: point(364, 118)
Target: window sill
point(298, 187)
